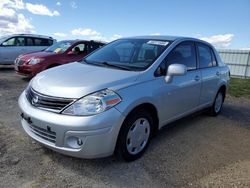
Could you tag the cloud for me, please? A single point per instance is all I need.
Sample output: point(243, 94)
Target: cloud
point(58, 34)
point(20, 25)
point(41, 10)
point(58, 3)
point(73, 4)
point(14, 4)
point(85, 32)
point(219, 41)
point(11, 21)
point(155, 34)
point(114, 37)
point(93, 34)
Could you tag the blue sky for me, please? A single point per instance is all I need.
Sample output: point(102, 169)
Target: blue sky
point(225, 23)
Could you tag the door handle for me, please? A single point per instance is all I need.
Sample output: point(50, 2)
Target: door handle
point(218, 73)
point(196, 78)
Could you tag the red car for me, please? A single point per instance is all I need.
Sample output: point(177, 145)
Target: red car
point(60, 53)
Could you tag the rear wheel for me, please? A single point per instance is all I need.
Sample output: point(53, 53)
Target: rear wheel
point(218, 102)
point(135, 135)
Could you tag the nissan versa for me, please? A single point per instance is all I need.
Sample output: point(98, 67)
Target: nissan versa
point(117, 97)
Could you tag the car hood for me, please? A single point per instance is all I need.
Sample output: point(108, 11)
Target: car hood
point(76, 80)
point(40, 54)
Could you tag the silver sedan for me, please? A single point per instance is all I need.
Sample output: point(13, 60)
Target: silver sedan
point(116, 98)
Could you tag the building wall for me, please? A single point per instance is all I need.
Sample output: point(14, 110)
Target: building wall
point(237, 60)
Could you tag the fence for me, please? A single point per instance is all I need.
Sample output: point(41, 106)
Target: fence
point(238, 61)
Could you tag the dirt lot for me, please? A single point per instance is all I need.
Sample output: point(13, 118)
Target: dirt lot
point(198, 151)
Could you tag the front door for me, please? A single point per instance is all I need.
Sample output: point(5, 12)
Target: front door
point(182, 95)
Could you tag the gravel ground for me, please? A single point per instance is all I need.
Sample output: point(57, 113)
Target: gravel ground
point(198, 151)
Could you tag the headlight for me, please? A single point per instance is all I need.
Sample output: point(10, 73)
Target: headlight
point(94, 103)
point(34, 61)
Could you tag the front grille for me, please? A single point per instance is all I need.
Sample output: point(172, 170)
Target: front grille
point(43, 133)
point(46, 102)
point(19, 61)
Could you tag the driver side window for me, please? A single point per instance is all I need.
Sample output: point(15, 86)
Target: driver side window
point(184, 54)
point(9, 42)
point(79, 49)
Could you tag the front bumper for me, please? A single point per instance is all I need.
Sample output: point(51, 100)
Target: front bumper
point(25, 70)
point(98, 133)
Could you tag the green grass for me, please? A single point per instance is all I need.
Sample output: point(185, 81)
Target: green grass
point(239, 87)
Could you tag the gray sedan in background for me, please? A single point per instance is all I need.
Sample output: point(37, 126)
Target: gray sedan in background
point(12, 46)
point(116, 98)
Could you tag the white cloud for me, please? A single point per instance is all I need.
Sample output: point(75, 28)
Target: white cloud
point(219, 41)
point(58, 3)
point(19, 25)
point(155, 34)
point(73, 4)
point(58, 34)
point(11, 21)
point(114, 37)
point(85, 32)
point(14, 4)
point(7, 12)
point(41, 10)
point(93, 34)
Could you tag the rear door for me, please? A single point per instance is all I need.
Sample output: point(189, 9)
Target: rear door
point(182, 95)
point(210, 73)
point(35, 44)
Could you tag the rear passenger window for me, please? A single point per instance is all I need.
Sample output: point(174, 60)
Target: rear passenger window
point(38, 42)
point(183, 54)
point(205, 56)
point(29, 42)
point(47, 42)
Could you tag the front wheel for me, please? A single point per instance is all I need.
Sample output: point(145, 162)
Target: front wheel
point(135, 135)
point(217, 105)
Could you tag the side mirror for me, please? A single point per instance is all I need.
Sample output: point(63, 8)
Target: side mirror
point(175, 70)
point(71, 53)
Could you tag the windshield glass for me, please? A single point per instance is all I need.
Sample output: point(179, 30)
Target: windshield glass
point(59, 47)
point(135, 54)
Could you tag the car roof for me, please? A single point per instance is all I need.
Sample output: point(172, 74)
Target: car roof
point(167, 37)
point(31, 35)
point(79, 41)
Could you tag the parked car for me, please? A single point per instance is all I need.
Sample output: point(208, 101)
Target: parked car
point(116, 98)
point(12, 46)
point(60, 53)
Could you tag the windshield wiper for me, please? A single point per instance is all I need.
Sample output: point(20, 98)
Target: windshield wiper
point(115, 66)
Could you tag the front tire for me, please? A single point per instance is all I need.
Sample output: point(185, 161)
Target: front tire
point(134, 135)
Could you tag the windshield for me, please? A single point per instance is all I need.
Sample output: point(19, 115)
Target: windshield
point(134, 54)
point(59, 47)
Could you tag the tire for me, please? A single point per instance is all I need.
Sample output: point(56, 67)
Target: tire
point(215, 109)
point(135, 135)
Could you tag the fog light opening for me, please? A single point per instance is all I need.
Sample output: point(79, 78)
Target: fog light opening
point(74, 142)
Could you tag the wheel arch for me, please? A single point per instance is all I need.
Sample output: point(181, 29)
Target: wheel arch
point(151, 109)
